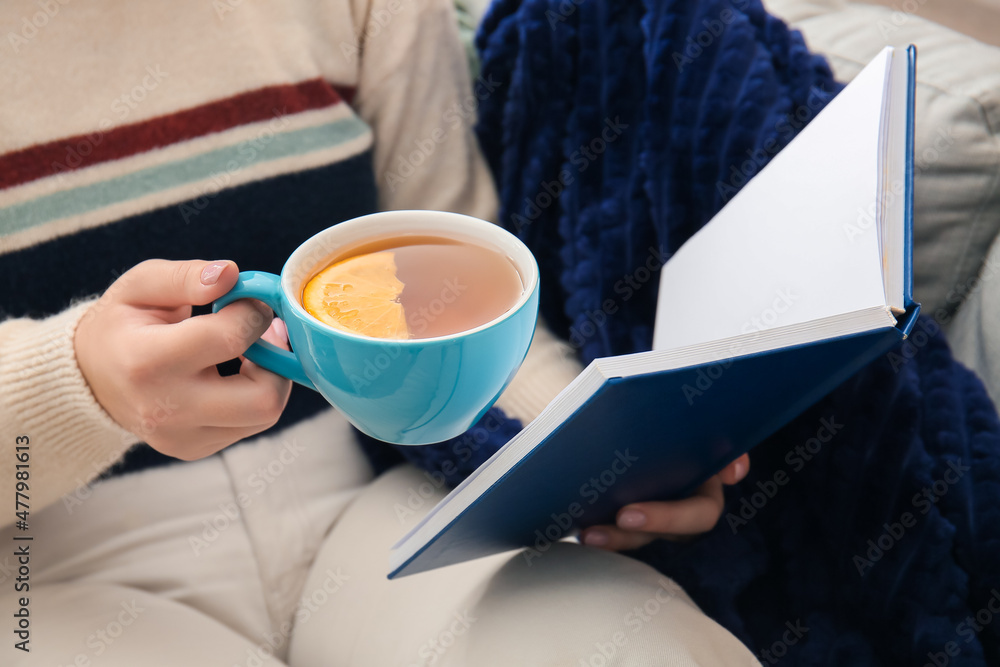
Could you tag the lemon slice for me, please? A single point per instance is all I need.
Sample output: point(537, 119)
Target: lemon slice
point(359, 294)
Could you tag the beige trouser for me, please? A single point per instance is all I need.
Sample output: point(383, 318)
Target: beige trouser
point(276, 553)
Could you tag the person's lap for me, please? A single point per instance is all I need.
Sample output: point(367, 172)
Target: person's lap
point(280, 547)
point(572, 606)
point(228, 539)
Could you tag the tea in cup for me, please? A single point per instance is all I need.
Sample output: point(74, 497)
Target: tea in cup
point(411, 323)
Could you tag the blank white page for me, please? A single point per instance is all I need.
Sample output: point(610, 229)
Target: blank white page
point(786, 248)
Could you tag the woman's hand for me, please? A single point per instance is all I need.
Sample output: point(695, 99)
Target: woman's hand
point(153, 367)
point(639, 524)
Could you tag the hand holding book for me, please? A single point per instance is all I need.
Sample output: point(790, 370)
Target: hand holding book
point(802, 279)
point(638, 524)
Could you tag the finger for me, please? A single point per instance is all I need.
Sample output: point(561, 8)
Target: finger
point(240, 401)
point(735, 471)
point(612, 538)
point(173, 315)
point(274, 385)
point(277, 334)
point(160, 283)
point(690, 516)
point(206, 340)
point(202, 442)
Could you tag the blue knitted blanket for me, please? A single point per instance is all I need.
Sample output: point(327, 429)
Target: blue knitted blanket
point(868, 532)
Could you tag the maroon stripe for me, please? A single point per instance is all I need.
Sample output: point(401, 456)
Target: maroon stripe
point(85, 150)
point(346, 93)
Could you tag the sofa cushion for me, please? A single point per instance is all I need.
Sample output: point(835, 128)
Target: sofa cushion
point(974, 334)
point(957, 136)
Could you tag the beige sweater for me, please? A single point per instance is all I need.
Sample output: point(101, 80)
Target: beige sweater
point(402, 57)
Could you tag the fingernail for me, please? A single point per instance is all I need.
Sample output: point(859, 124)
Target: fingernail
point(210, 274)
point(596, 538)
point(631, 519)
point(279, 330)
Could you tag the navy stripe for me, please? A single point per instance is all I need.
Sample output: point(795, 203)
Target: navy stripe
point(258, 225)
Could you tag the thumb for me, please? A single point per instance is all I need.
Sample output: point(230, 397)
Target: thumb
point(735, 471)
point(165, 284)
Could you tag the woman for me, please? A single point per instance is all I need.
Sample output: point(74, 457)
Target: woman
point(233, 130)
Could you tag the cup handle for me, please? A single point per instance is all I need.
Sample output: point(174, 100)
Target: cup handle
point(265, 287)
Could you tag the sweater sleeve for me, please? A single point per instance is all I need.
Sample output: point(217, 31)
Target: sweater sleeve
point(416, 92)
point(47, 406)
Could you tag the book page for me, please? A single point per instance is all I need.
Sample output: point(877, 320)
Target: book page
point(798, 243)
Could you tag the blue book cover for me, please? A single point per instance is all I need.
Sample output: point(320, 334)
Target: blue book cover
point(655, 425)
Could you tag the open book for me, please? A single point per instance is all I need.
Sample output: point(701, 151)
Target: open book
point(803, 278)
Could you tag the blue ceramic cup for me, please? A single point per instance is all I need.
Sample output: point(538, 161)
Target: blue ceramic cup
point(408, 392)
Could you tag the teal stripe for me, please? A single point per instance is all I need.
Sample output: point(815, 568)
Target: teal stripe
point(217, 163)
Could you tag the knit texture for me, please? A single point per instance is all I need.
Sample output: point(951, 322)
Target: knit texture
point(58, 419)
point(618, 130)
point(884, 542)
point(121, 145)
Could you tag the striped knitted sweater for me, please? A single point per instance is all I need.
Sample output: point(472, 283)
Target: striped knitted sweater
point(195, 129)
